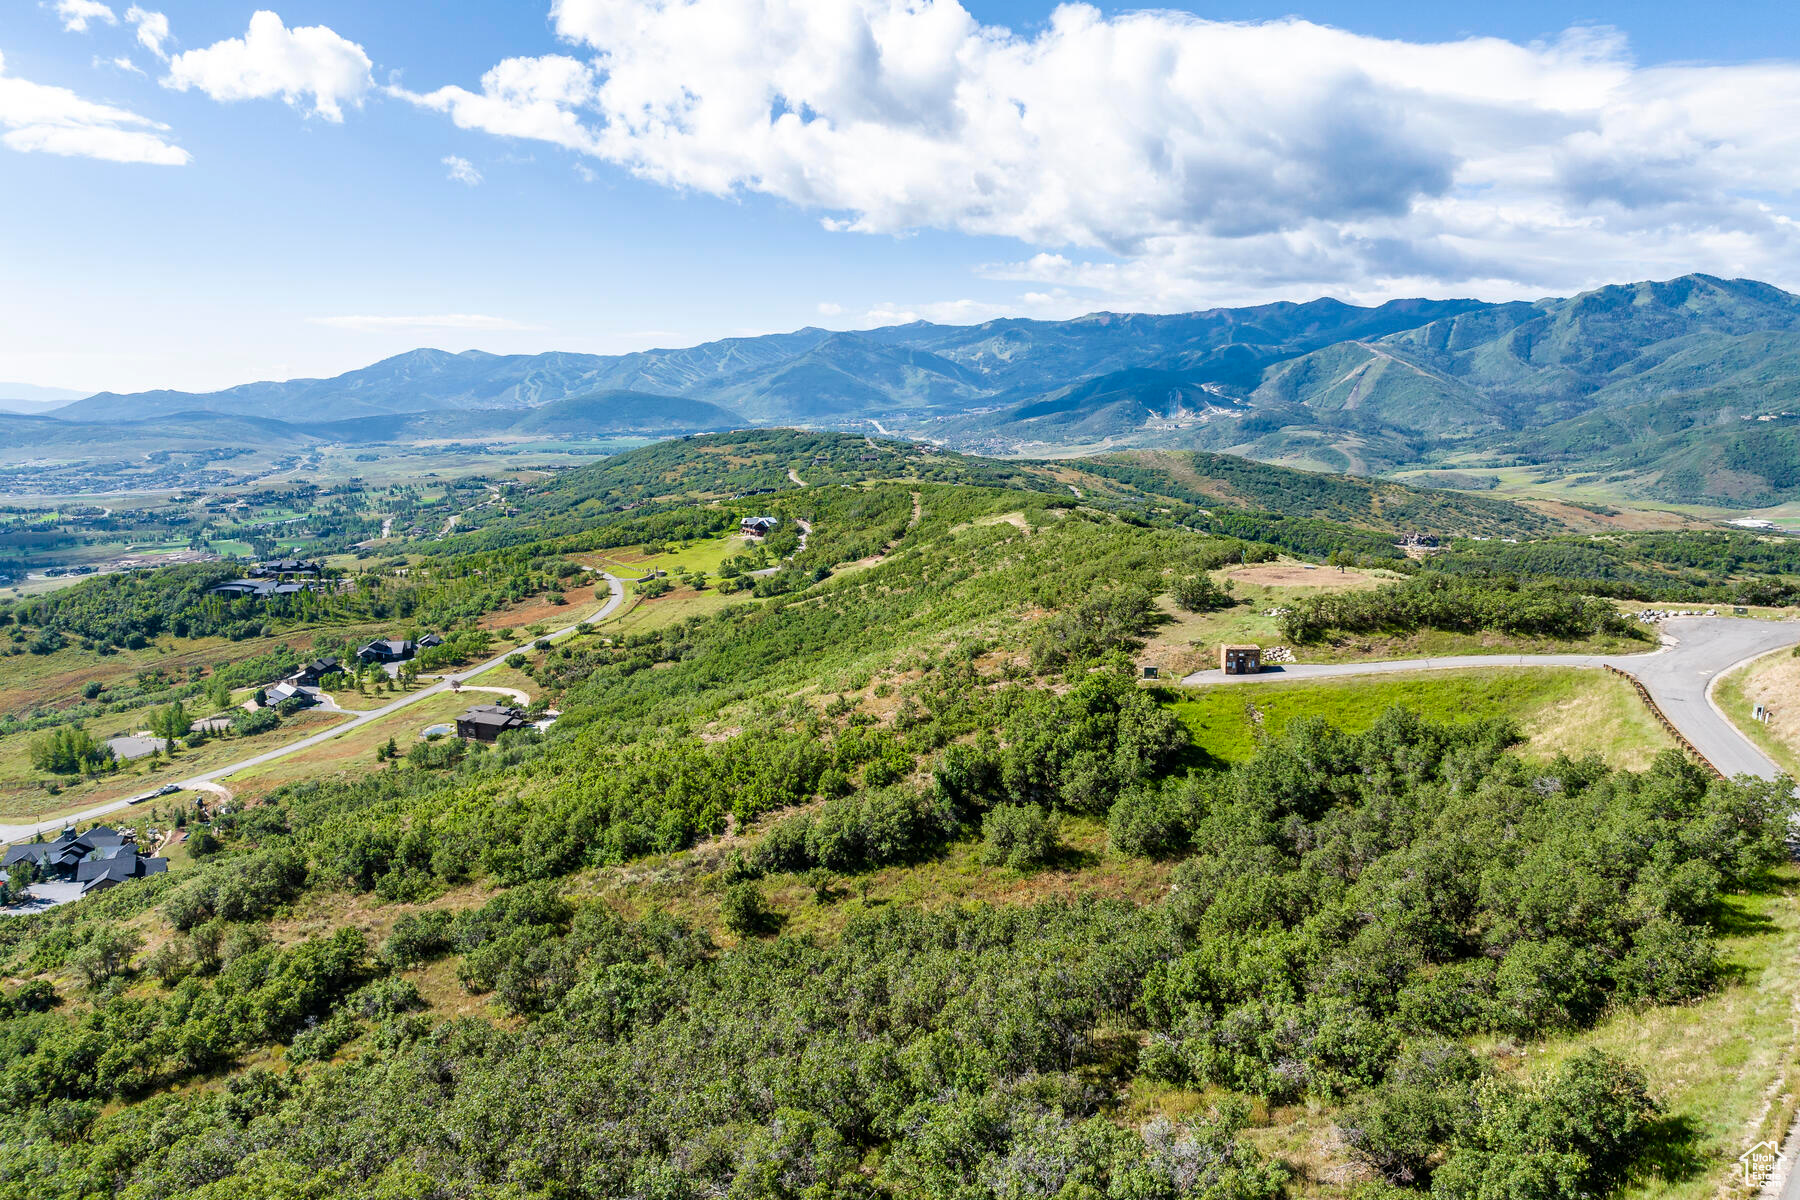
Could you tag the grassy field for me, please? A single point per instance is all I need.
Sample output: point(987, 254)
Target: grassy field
point(353, 752)
point(1560, 711)
point(24, 795)
point(1774, 681)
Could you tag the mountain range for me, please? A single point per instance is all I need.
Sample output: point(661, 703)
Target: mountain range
point(1681, 390)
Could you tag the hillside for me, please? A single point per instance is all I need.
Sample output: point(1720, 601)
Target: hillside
point(878, 872)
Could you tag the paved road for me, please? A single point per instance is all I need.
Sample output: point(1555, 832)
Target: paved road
point(19, 833)
point(1679, 676)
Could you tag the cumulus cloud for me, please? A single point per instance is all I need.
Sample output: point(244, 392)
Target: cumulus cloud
point(535, 98)
point(76, 14)
point(54, 120)
point(476, 322)
point(152, 29)
point(1172, 156)
point(462, 170)
point(307, 66)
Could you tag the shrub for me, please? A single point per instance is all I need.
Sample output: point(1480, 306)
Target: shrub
point(744, 910)
point(1019, 836)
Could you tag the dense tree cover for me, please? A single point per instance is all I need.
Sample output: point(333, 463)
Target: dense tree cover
point(1223, 481)
point(1458, 604)
point(1353, 905)
point(1691, 565)
point(69, 750)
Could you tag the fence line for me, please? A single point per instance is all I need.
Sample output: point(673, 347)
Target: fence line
point(1657, 712)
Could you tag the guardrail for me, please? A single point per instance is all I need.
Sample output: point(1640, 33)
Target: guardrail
point(1662, 717)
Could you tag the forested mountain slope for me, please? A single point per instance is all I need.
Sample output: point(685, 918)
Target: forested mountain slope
point(1681, 390)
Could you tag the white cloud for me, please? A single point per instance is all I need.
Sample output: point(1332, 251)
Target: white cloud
point(828, 309)
point(76, 14)
point(54, 120)
point(473, 322)
point(462, 170)
point(121, 63)
point(152, 29)
point(1181, 158)
point(522, 97)
point(272, 60)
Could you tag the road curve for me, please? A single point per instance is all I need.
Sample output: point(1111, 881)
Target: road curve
point(1678, 676)
point(18, 833)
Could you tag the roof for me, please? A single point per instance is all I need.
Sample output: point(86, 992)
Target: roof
point(1240, 646)
point(390, 645)
point(493, 714)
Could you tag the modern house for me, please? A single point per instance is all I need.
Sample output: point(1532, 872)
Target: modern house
point(1240, 660)
point(288, 566)
point(98, 859)
point(386, 650)
point(310, 674)
point(486, 722)
point(289, 690)
point(758, 526)
point(429, 640)
point(258, 589)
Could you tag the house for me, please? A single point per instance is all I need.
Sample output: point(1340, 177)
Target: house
point(310, 674)
point(291, 691)
point(758, 526)
point(99, 874)
point(238, 589)
point(386, 650)
point(287, 566)
point(430, 640)
point(486, 722)
point(1240, 660)
point(258, 589)
point(98, 859)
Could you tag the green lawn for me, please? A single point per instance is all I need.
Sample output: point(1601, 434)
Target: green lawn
point(1571, 711)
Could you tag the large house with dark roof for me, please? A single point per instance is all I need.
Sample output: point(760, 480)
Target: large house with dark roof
point(486, 722)
point(98, 859)
point(310, 674)
point(385, 650)
point(288, 566)
point(258, 589)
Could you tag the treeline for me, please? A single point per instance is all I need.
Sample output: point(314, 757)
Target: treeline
point(1233, 482)
point(1691, 566)
point(1459, 605)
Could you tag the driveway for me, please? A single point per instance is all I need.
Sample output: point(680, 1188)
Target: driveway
point(1678, 676)
point(19, 833)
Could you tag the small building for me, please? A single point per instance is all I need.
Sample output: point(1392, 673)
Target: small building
point(429, 640)
point(758, 526)
point(386, 650)
point(486, 722)
point(1240, 660)
point(1150, 671)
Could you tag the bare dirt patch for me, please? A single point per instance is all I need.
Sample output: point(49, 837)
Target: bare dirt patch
point(1280, 574)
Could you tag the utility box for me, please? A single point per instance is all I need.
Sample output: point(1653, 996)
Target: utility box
point(1150, 672)
point(1240, 660)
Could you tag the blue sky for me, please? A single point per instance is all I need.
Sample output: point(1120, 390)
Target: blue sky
point(339, 183)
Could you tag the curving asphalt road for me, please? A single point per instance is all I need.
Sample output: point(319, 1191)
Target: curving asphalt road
point(1679, 676)
point(18, 833)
